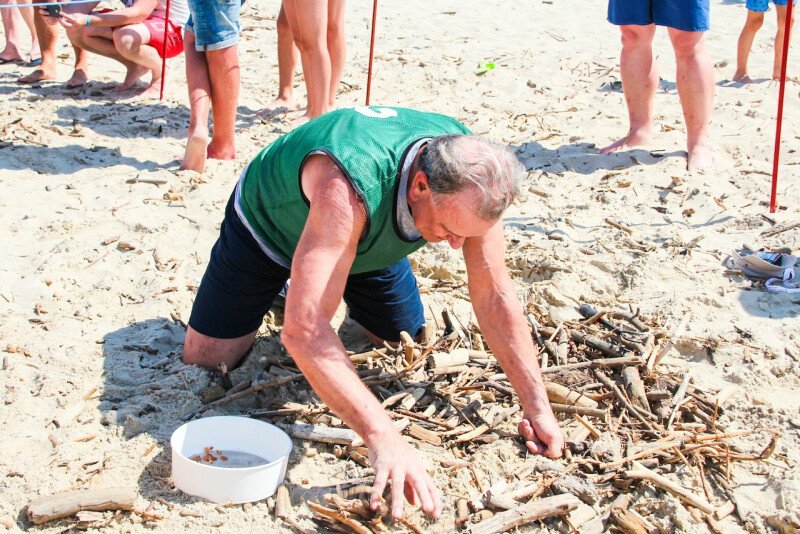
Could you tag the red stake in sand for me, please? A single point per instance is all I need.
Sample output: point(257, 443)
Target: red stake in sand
point(777, 156)
point(164, 54)
point(371, 48)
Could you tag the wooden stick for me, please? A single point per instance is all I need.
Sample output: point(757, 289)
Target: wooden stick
point(640, 472)
point(595, 364)
point(60, 505)
point(283, 503)
point(635, 387)
point(526, 513)
point(349, 522)
point(598, 344)
point(631, 408)
point(252, 389)
point(578, 410)
point(323, 434)
point(557, 393)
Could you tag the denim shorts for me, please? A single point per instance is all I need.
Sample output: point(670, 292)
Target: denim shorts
point(214, 23)
point(685, 15)
point(760, 6)
point(241, 283)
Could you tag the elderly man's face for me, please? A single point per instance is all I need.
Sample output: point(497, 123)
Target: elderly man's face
point(452, 218)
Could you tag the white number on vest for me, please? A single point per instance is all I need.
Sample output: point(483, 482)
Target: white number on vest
point(376, 113)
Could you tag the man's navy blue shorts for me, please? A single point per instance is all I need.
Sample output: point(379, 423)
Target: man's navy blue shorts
point(241, 282)
point(686, 15)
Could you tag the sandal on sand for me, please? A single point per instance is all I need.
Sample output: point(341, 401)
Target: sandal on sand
point(33, 62)
point(776, 267)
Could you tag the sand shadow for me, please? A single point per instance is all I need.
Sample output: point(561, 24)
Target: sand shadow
point(48, 161)
point(759, 303)
point(123, 119)
point(584, 158)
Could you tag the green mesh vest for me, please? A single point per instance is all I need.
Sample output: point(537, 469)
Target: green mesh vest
point(368, 144)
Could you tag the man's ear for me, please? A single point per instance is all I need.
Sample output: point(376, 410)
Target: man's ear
point(419, 186)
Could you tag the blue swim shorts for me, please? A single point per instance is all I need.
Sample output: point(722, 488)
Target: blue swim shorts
point(686, 15)
point(760, 6)
point(214, 23)
point(241, 282)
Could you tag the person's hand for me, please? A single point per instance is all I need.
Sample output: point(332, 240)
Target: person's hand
point(393, 459)
point(542, 435)
point(49, 20)
point(74, 20)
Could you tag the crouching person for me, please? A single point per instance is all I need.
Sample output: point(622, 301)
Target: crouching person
point(133, 35)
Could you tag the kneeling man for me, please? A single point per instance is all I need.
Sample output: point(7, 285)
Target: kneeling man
point(337, 205)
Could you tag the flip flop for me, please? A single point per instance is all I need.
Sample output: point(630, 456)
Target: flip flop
point(4, 61)
point(34, 62)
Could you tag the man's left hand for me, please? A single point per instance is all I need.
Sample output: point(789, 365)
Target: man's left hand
point(542, 435)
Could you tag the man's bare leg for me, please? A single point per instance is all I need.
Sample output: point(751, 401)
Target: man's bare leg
point(639, 84)
point(288, 54)
point(11, 25)
point(27, 17)
point(97, 40)
point(336, 46)
point(205, 351)
point(309, 22)
point(776, 65)
point(695, 79)
point(194, 157)
point(751, 26)
point(48, 36)
point(131, 43)
point(224, 75)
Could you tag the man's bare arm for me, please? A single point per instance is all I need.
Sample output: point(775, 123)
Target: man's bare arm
point(320, 267)
point(504, 327)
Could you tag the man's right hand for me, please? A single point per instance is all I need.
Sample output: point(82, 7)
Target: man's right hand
point(393, 459)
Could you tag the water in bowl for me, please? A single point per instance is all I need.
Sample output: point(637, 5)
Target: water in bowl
point(229, 458)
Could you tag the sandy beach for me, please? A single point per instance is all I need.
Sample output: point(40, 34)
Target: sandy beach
point(105, 242)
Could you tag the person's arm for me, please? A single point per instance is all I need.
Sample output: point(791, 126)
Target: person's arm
point(503, 325)
point(320, 267)
point(138, 12)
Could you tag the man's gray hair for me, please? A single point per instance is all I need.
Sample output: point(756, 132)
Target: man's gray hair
point(454, 163)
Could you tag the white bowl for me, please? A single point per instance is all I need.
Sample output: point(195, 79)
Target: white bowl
point(234, 435)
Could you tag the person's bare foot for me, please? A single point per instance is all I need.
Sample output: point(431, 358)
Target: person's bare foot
point(131, 77)
point(194, 158)
point(279, 105)
point(634, 138)
point(217, 150)
point(153, 91)
point(77, 79)
point(39, 75)
point(301, 120)
point(699, 158)
point(742, 77)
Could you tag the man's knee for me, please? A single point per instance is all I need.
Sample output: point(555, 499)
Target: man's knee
point(126, 38)
point(686, 44)
point(205, 351)
point(636, 36)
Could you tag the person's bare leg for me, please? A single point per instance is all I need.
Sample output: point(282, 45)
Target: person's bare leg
point(97, 40)
point(639, 84)
point(695, 79)
point(194, 157)
point(776, 65)
point(205, 351)
point(11, 28)
point(80, 73)
point(131, 43)
point(309, 21)
point(336, 46)
point(224, 74)
point(27, 17)
point(288, 55)
point(751, 26)
point(48, 36)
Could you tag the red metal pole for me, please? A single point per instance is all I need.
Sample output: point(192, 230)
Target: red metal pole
point(371, 48)
point(164, 54)
point(773, 202)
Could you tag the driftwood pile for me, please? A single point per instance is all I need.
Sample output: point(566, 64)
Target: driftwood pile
point(626, 423)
